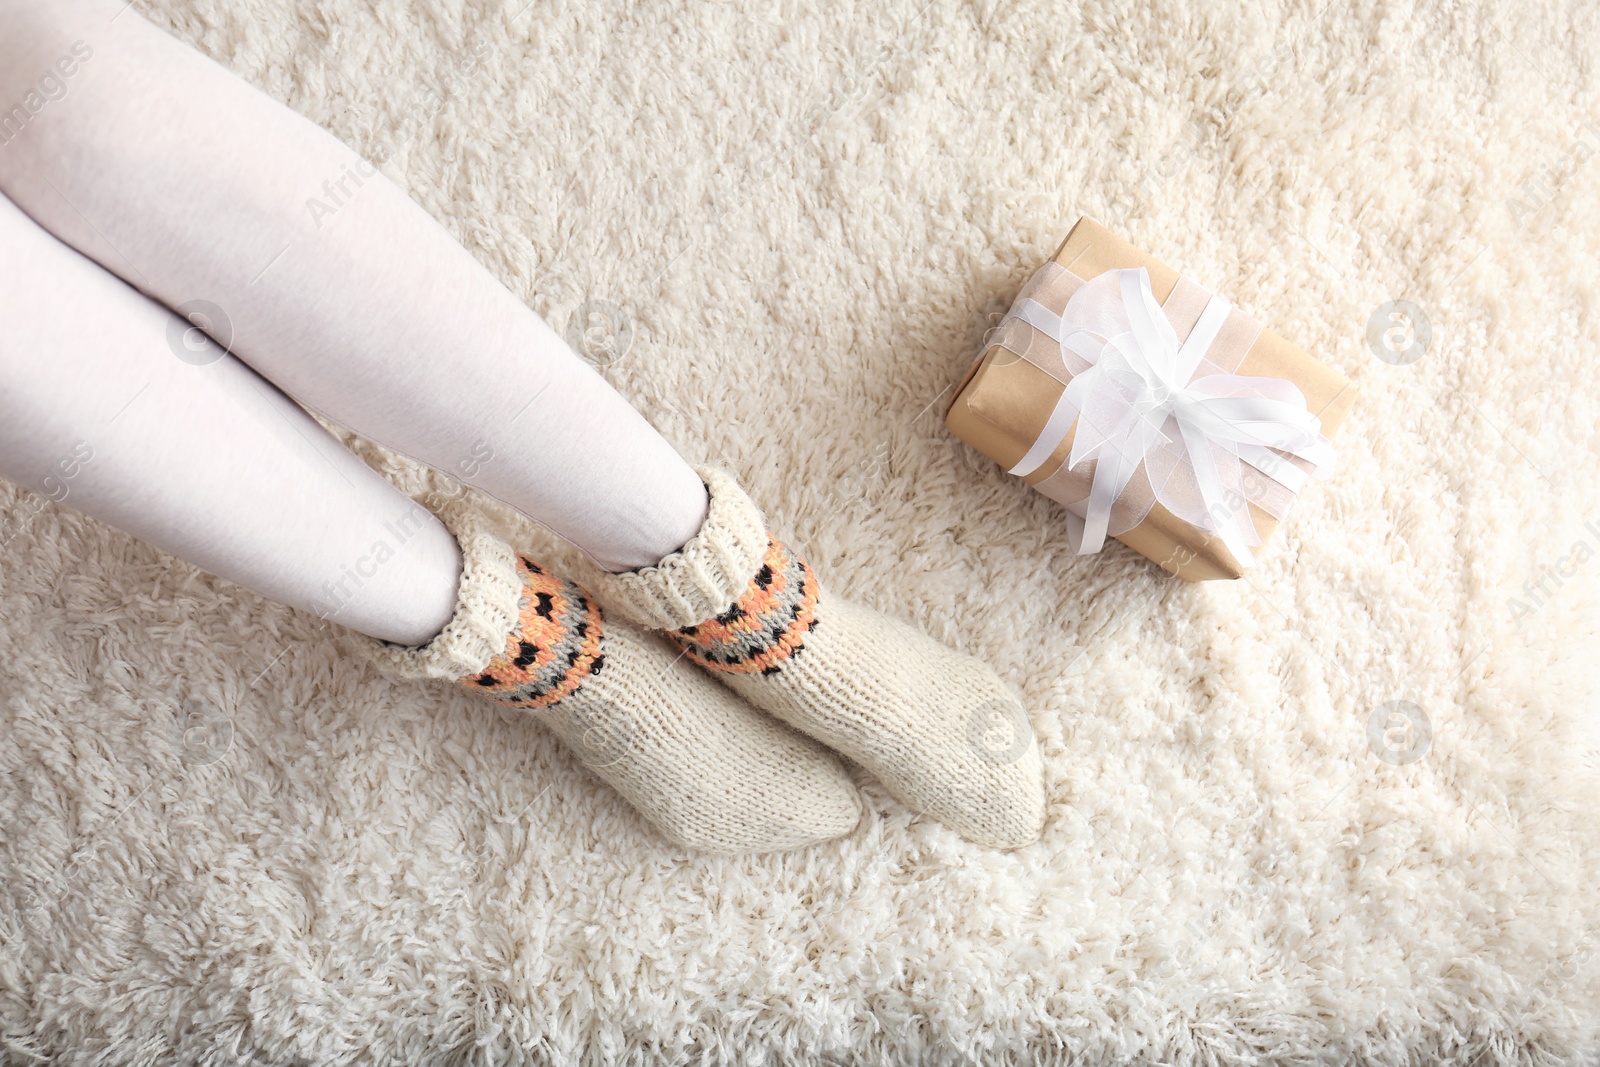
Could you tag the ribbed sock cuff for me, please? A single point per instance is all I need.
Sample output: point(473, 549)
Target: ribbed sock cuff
point(703, 578)
point(487, 605)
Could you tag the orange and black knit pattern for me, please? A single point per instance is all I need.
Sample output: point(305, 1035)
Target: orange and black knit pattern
point(766, 625)
point(553, 649)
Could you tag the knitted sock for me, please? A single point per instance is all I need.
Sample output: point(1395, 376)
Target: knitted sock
point(938, 728)
point(704, 768)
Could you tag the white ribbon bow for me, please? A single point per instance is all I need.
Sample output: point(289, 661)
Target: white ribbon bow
point(1136, 404)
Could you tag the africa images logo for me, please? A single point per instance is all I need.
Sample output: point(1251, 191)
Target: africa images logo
point(52, 86)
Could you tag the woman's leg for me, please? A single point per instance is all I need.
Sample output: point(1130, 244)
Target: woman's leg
point(107, 406)
point(317, 271)
point(184, 180)
point(198, 455)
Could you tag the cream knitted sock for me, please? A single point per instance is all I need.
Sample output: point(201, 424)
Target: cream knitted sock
point(938, 728)
point(704, 768)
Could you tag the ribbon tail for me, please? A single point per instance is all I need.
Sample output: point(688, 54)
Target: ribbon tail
point(1271, 465)
point(1075, 532)
point(1062, 416)
point(1113, 470)
point(1212, 492)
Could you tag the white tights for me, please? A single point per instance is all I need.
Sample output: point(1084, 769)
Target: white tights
point(137, 156)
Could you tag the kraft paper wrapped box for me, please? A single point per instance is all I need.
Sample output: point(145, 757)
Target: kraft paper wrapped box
point(1195, 492)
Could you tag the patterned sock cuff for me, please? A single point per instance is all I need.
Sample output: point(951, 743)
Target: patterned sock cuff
point(553, 648)
point(767, 623)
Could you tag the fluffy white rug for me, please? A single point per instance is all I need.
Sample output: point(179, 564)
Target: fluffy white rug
point(808, 216)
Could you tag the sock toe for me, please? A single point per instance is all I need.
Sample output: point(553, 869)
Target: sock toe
point(706, 769)
point(938, 728)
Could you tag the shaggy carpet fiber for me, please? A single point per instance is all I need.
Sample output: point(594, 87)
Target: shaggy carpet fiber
point(1341, 811)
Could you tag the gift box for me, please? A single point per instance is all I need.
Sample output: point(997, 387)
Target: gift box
point(1151, 408)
